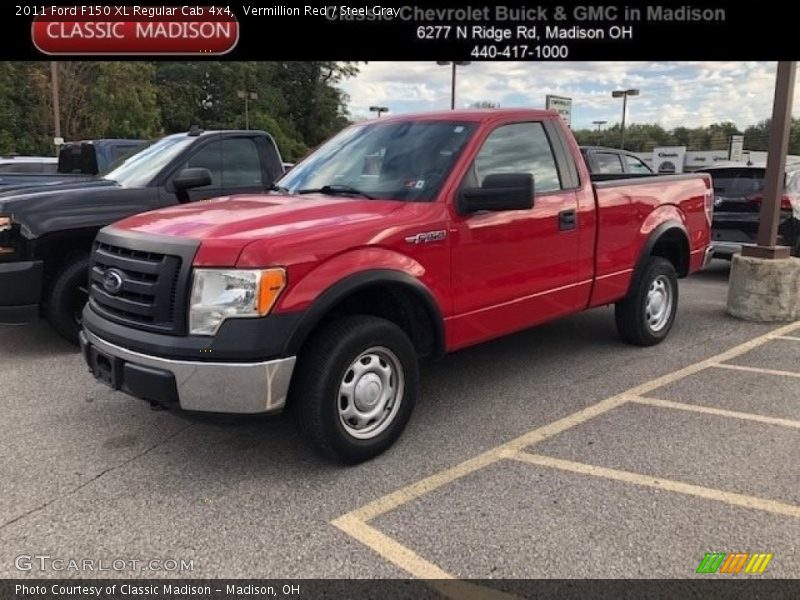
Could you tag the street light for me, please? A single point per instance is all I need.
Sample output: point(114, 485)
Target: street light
point(246, 96)
point(624, 95)
point(57, 139)
point(454, 63)
point(379, 110)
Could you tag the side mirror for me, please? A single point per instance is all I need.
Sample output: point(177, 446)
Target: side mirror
point(191, 178)
point(502, 191)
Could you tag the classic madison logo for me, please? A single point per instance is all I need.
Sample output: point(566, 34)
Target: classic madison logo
point(733, 563)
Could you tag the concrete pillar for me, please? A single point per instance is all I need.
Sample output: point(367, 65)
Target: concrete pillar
point(764, 289)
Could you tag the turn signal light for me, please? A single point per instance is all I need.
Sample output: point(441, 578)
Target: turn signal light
point(272, 283)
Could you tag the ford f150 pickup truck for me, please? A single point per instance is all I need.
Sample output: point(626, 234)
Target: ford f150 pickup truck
point(46, 232)
point(401, 239)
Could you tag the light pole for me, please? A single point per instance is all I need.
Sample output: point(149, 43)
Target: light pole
point(599, 126)
point(455, 64)
point(246, 96)
point(56, 104)
point(624, 95)
point(379, 110)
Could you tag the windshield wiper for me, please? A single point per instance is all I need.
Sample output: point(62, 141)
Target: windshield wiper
point(279, 188)
point(337, 189)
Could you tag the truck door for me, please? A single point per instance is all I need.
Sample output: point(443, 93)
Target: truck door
point(234, 163)
point(513, 269)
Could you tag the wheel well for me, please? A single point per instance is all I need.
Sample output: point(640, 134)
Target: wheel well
point(56, 250)
point(400, 304)
point(673, 246)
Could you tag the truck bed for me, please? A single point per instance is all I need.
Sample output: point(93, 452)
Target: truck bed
point(647, 200)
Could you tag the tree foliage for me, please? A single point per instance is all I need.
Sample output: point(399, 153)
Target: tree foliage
point(300, 104)
point(645, 137)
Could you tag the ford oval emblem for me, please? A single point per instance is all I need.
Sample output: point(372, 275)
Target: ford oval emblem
point(112, 281)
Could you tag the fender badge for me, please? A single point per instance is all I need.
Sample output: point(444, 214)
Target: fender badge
point(427, 237)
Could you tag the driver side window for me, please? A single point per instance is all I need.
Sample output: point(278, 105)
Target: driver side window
point(518, 148)
point(208, 157)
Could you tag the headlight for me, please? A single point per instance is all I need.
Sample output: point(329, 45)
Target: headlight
point(219, 294)
point(5, 223)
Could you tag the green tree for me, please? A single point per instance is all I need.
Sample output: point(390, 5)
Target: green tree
point(124, 96)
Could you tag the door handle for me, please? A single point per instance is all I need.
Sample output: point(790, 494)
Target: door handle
point(567, 219)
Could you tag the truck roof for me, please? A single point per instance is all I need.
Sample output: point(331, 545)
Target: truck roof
point(205, 132)
point(473, 114)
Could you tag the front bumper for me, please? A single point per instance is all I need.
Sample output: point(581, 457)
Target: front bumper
point(20, 291)
point(240, 388)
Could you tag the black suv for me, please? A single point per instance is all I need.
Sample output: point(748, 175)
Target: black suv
point(738, 192)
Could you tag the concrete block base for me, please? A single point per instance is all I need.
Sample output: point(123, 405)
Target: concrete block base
point(764, 290)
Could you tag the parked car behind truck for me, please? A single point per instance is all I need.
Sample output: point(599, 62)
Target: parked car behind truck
point(76, 161)
point(738, 193)
point(46, 233)
point(612, 163)
point(400, 240)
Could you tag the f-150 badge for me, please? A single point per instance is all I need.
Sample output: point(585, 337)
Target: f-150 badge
point(427, 237)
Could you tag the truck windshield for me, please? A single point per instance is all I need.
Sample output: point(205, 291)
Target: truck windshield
point(139, 169)
point(395, 160)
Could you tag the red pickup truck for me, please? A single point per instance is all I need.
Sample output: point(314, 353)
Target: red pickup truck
point(399, 240)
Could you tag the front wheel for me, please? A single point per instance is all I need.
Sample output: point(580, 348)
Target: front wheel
point(67, 296)
point(355, 387)
point(646, 315)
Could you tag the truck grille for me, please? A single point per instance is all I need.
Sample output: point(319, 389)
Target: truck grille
point(141, 289)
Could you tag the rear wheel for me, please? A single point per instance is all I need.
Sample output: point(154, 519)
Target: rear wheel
point(355, 387)
point(68, 294)
point(645, 317)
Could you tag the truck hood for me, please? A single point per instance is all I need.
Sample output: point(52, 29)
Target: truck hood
point(35, 189)
point(50, 208)
point(248, 218)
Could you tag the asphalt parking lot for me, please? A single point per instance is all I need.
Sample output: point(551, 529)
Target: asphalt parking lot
point(556, 452)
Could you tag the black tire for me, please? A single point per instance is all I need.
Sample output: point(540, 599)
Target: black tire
point(324, 364)
point(66, 297)
point(634, 321)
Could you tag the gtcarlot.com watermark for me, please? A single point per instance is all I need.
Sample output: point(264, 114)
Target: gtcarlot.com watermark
point(45, 563)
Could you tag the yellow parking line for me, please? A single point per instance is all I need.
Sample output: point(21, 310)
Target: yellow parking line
point(742, 500)
point(713, 361)
point(757, 370)
point(394, 551)
point(355, 522)
point(787, 337)
point(720, 412)
point(413, 563)
point(424, 486)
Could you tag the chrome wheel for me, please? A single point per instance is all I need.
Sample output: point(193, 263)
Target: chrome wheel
point(370, 393)
point(658, 305)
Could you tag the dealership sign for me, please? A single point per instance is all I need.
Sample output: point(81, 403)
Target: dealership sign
point(669, 159)
point(135, 30)
point(736, 148)
point(560, 104)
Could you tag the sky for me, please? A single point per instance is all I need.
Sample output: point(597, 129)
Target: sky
point(690, 94)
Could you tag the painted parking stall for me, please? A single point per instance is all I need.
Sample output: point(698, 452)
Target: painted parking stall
point(559, 452)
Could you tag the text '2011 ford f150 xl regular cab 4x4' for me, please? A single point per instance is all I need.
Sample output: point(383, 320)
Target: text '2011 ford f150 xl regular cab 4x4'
point(398, 240)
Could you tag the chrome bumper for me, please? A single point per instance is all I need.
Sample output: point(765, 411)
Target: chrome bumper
point(244, 388)
point(709, 254)
point(726, 249)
